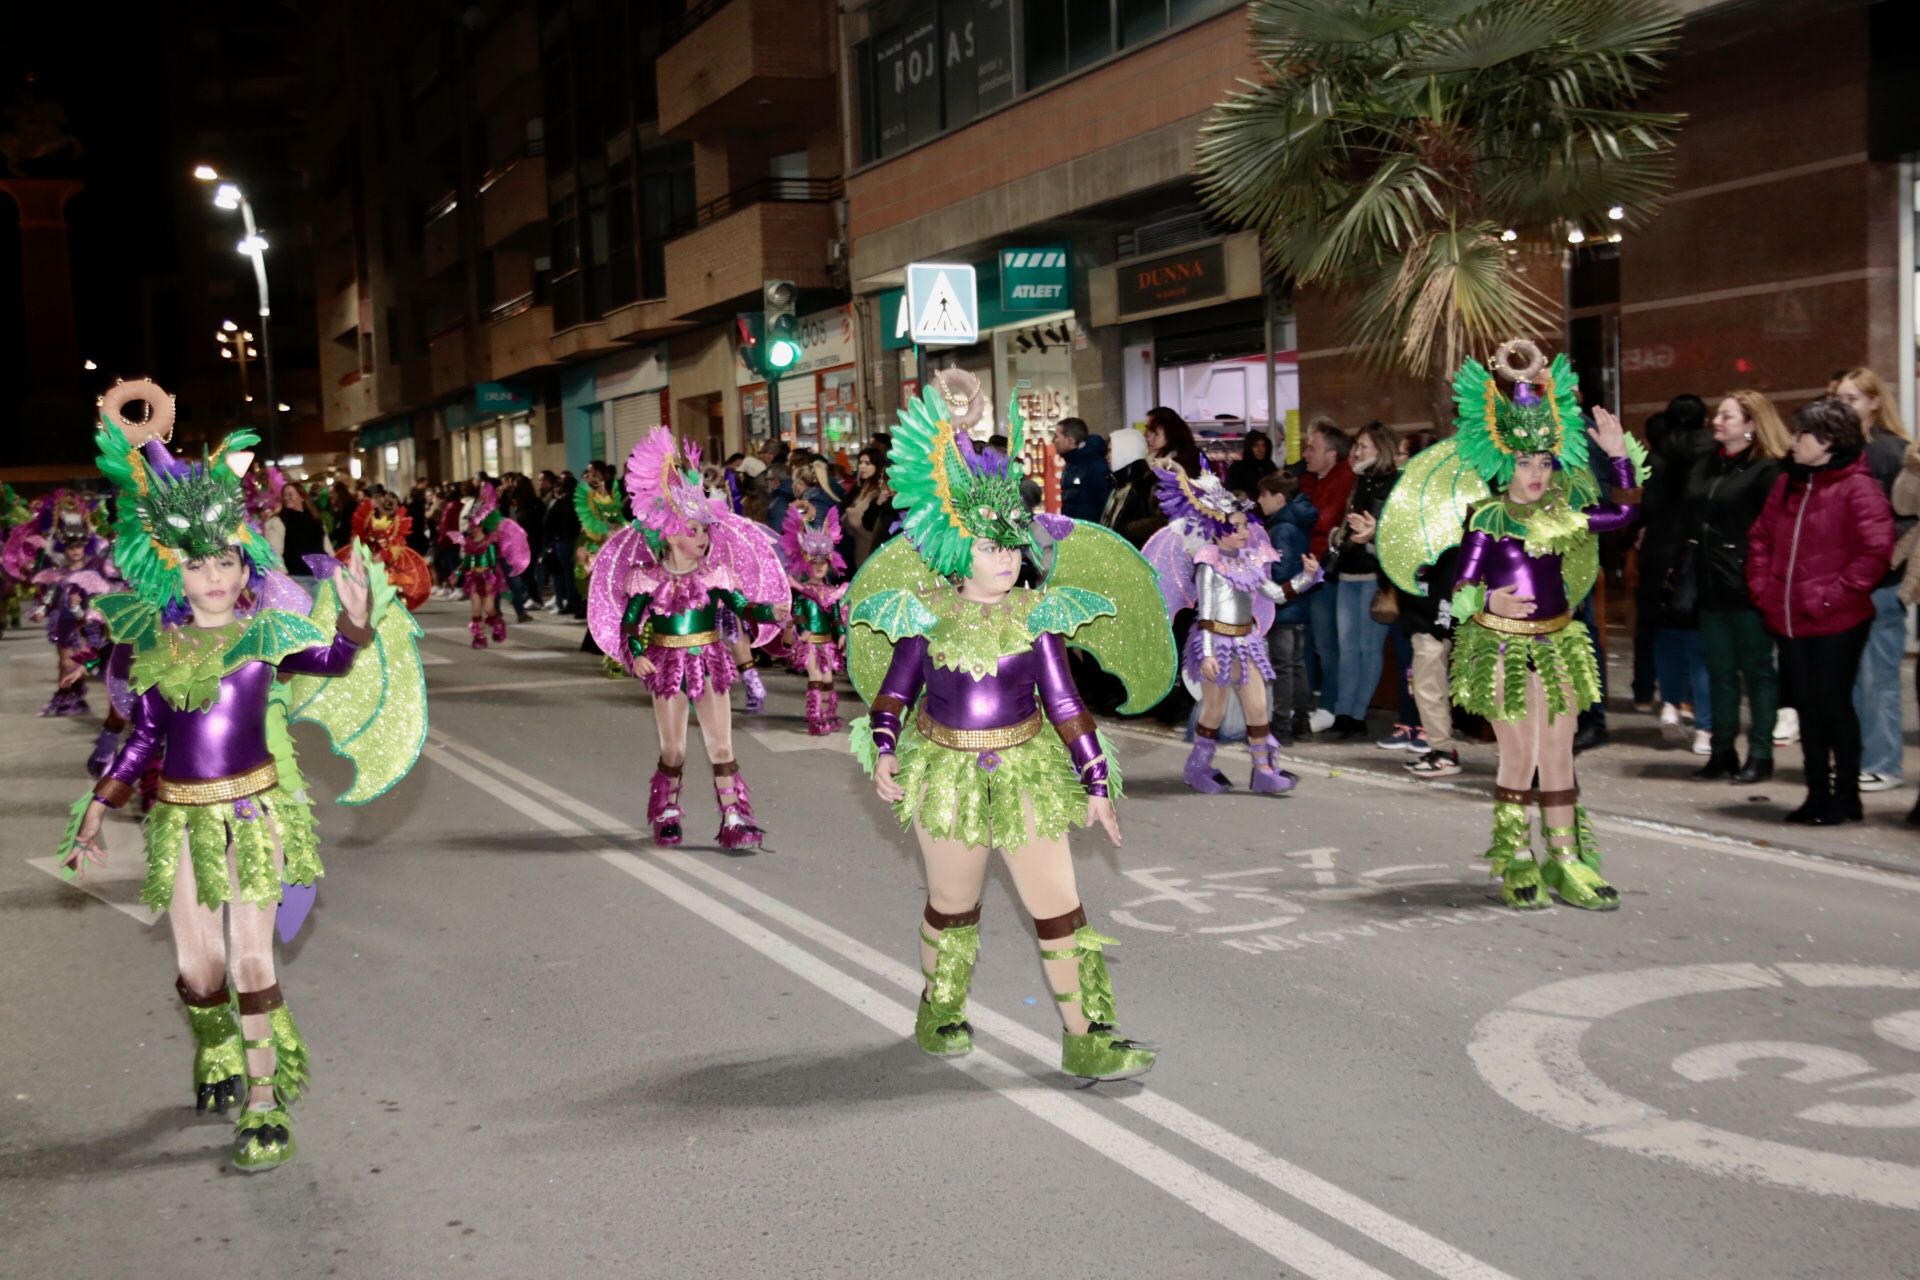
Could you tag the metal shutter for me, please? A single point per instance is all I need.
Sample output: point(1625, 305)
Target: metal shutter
point(631, 418)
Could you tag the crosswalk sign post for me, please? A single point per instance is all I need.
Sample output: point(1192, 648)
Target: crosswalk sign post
point(943, 303)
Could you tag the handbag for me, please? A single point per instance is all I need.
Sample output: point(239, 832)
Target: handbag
point(1384, 608)
point(1680, 599)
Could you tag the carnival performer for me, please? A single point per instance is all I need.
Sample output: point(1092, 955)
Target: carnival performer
point(964, 672)
point(653, 602)
point(382, 524)
point(1212, 559)
point(818, 626)
point(66, 590)
point(1530, 554)
point(208, 657)
point(14, 514)
point(493, 548)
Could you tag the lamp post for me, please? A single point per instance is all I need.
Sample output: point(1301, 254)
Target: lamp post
point(236, 344)
point(229, 196)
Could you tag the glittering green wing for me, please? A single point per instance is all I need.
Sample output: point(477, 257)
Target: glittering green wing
point(1134, 640)
point(883, 607)
point(130, 620)
point(1427, 512)
point(1064, 610)
point(275, 633)
point(375, 715)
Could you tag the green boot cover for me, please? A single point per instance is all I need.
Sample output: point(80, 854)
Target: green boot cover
point(219, 1063)
point(940, 1027)
point(1512, 833)
point(1097, 1053)
point(1579, 885)
point(1521, 886)
point(291, 1064)
point(262, 1139)
point(1583, 837)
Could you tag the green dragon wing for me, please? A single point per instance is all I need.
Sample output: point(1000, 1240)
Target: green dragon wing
point(1426, 513)
point(275, 633)
point(130, 620)
point(375, 715)
point(1131, 637)
point(883, 608)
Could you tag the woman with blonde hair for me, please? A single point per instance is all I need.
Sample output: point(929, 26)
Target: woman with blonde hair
point(1876, 695)
point(1724, 495)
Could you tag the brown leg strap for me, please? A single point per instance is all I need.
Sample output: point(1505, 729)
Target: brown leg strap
point(1060, 926)
point(1559, 799)
point(188, 996)
point(747, 663)
point(725, 768)
point(822, 685)
point(1202, 731)
point(671, 770)
point(941, 920)
point(1507, 795)
point(1257, 734)
point(265, 1000)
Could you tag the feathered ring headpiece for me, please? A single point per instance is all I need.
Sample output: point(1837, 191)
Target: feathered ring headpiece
point(664, 489)
point(1542, 416)
point(801, 543)
point(1201, 508)
point(171, 511)
point(952, 491)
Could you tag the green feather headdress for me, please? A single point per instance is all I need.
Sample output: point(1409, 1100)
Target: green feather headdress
point(1542, 416)
point(170, 512)
point(951, 490)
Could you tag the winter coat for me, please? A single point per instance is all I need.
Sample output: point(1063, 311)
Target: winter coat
point(1247, 471)
point(1131, 501)
point(1329, 494)
point(1664, 510)
point(1085, 481)
point(1724, 497)
point(1420, 615)
point(1369, 495)
point(1821, 544)
point(1886, 457)
point(1290, 530)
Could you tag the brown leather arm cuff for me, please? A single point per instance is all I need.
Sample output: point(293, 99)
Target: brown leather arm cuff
point(887, 702)
point(1074, 727)
point(1286, 589)
point(1627, 497)
point(112, 792)
point(359, 635)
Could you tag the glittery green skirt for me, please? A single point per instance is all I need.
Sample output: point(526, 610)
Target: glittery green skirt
point(982, 798)
point(1490, 670)
point(250, 828)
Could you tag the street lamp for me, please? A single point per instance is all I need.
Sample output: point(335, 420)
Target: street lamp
point(236, 345)
point(229, 196)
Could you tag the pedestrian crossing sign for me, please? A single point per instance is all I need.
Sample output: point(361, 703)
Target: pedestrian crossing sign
point(943, 301)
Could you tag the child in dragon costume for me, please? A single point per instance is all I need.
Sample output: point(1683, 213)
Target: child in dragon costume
point(382, 524)
point(819, 623)
point(73, 568)
point(493, 548)
point(1212, 559)
point(215, 673)
point(964, 672)
point(1517, 472)
point(653, 603)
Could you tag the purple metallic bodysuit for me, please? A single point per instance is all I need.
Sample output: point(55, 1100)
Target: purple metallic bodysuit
point(1505, 562)
point(1002, 699)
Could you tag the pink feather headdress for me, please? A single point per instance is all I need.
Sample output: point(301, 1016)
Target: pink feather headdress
point(664, 491)
point(800, 542)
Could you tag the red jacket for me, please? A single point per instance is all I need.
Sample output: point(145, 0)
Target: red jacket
point(1329, 495)
point(1820, 546)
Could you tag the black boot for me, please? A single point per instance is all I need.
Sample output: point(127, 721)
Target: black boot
point(1721, 764)
point(1302, 727)
point(1756, 769)
point(1817, 809)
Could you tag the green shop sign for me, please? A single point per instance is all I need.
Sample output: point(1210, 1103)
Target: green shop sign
point(498, 397)
point(1036, 279)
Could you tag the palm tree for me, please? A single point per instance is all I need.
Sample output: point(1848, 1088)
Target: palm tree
point(1395, 147)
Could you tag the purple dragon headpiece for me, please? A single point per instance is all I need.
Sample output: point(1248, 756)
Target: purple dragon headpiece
point(1200, 507)
point(801, 543)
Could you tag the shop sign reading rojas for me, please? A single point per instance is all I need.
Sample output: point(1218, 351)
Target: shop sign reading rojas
point(826, 342)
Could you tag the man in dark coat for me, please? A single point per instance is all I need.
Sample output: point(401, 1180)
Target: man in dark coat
point(1085, 479)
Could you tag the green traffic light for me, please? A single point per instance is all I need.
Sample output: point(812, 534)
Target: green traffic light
point(783, 353)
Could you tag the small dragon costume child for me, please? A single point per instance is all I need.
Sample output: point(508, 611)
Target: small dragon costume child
point(975, 716)
point(212, 705)
point(493, 548)
point(819, 619)
point(1529, 675)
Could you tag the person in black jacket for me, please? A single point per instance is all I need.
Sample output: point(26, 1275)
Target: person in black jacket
point(1131, 500)
point(1356, 574)
point(1085, 478)
point(1254, 464)
point(1724, 495)
point(561, 527)
point(1665, 551)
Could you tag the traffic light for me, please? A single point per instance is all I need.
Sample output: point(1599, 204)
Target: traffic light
point(751, 330)
point(780, 349)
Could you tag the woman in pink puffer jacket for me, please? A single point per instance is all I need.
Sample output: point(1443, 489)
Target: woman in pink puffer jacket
point(1823, 542)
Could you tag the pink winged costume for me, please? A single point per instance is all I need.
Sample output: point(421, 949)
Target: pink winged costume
point(819, 616)
point(639, 608)
point(493, 548)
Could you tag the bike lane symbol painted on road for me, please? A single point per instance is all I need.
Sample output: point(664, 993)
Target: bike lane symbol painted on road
point(1530, 1053)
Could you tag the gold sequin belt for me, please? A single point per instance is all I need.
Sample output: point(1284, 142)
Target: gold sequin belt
point(1011, 735)
point(1523, 626)
point(813, 637)
point(692, 640)
point(236, 786)
point(1226, 628)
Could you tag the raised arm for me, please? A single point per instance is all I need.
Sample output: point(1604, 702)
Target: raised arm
point(898, 691)
point(334, 659)
point(1622, 506)
point(1060, 699)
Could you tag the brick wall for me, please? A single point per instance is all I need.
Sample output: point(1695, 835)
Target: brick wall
point(726, 260)
point(745, 40)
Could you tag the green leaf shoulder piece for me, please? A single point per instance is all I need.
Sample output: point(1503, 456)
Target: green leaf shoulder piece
point(895, 613)
point(1064, 610)
point(273, 635)
point(130, 620)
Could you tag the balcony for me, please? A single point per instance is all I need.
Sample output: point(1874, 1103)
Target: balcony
point(748, 65)
point(582, 341)
point(341, 312)
point(447, 361)
point(519, 337)
point(442, 250)
point(513, 198)
point(510, 52)
point(773, 229)
point(351, 400)
point(641, 321)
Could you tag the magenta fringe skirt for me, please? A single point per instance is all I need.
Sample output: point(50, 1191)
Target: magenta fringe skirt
point(829, 656)
point(689, 671)
point(483, 582)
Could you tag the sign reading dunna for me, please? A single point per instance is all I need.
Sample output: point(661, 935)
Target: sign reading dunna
point(943, 301)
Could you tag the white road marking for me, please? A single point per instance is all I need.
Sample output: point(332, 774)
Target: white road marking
point(516, 686)
point(434, 660)
point(534, 655)
point(1404, 1238)
point(1287, 1242)
point(119, 882)
point(1902, 1029)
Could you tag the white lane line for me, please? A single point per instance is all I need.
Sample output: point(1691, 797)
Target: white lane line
point(516, 686)
point(1429, 1251)
point(1282, 1239)
point(434, 660)
point(533, 655)
point(1798, 860)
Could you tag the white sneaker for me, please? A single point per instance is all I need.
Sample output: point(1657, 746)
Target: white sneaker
point(1702, 742)
point(1670, 727)
point(1878, 781)
point(1786, 729)
point(1319, 720)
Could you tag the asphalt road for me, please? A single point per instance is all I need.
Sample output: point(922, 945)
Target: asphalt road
point(542, 1048)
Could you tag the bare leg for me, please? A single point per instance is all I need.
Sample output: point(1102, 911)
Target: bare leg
point(956, 874)
point(253, 972)
point(1213, 704)
point(1043, 876)
point(199, 941)
point(670, 720)
point(716, 726)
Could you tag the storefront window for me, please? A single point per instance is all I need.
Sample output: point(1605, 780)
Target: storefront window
point(490, 451)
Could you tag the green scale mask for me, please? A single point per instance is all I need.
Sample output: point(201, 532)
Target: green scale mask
point(953, 491)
